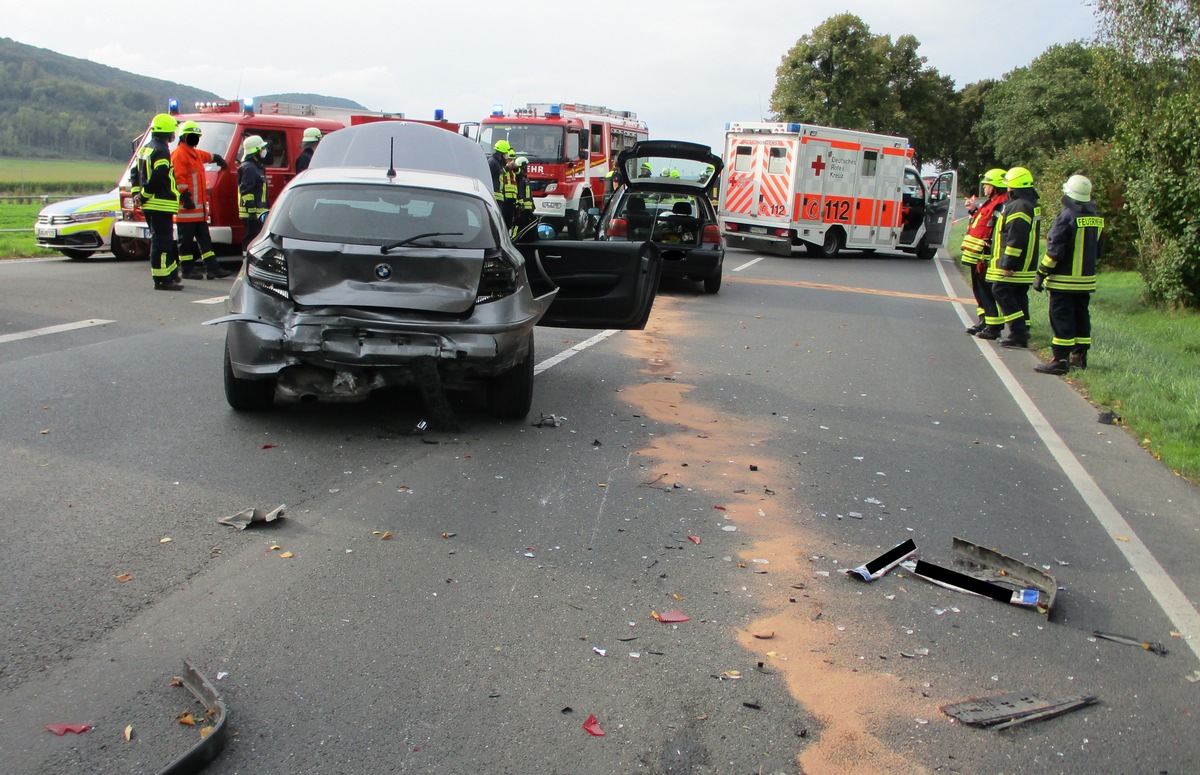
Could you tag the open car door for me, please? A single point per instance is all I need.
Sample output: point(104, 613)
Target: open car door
point(600, 284)
point(939, 210)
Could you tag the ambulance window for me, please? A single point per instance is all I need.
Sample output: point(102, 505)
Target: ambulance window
point(742, 157)
point(778, 163)
point(870, 159)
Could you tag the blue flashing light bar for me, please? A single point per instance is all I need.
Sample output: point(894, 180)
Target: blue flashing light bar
point(554, 111)
point(173, 106)
point(793, 128)
point(248, 105)
point(497, 109)
point(439, 114)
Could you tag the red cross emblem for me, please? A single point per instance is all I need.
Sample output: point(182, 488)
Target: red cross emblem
point(818, 167)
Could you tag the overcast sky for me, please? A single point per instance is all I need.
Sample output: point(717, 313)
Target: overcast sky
point(686, 67)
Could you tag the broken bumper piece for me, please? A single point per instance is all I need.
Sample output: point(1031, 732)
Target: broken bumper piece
point(210, 746)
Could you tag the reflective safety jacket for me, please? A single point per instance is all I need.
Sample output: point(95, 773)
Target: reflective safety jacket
point(508, 181)
point(496, 163)
point(189, 178)
point(1074, 243)
point(976, 245)
point(524, 193)
point(1015, 238)
point(252, 188)
point(158, 178)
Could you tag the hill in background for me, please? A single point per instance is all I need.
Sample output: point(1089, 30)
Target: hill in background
point(56, 106)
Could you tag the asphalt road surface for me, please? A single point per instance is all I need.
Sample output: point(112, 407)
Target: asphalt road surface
point(463, 602)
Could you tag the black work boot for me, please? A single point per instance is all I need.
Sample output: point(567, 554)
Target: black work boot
point(215, 270)
point(192, 271)
point(975, 329)
point(168, 284)
point(989, 332)
point(1078, 359)
point(1052, 367)
point(1014, 341)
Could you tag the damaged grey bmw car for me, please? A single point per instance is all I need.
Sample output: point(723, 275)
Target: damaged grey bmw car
point(387, 264)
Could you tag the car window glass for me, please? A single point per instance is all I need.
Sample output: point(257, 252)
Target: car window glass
point(778, 163)
point(870, 162)
point(215, 136)
point(377, 215)
point(742, 158)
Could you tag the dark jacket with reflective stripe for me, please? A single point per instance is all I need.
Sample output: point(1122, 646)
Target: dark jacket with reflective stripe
point(1015, 243)
point(158, 177)
point(1074, 244)
point(252, 188)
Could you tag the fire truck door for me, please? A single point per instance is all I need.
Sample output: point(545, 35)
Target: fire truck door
point(940, 209)
point(810, 179)
point(741, 184)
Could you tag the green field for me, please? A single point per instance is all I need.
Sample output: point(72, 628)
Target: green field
point(35, 176)
point(20, 216)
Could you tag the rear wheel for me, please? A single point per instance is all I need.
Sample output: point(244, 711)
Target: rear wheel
point(510, 395)
point(834, 240)
point(130, 249)
point(712, 283)
point(247, 395)
point(579, 222)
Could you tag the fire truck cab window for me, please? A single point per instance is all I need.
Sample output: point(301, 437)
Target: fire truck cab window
point(277, 149)
point(742, 156)
point(778, 163)
point(870, 160)
point(597, 138)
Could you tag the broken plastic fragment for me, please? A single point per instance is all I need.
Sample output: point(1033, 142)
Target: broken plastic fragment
point(592, 726)
point(671, 617)
point(600, 651)
point(165, 540)
point(62, 729)
point(386, 535)
point(879, 566)
point(243, 519)
point(125, 577)
point(694, 539)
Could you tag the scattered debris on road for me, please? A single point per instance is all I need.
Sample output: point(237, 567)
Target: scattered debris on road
point(62, 729)
point(592, 726)
point(549, 421)
point(998, 577)
point(673, 616)
point(1008, 710)
point(1154, 647)
point(879, 566)
point(244, 519)
point(212, 736)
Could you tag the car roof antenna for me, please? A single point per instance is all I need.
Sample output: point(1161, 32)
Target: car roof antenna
point(391, 173)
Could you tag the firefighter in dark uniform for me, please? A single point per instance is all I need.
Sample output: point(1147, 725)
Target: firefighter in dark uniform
point(1014, 255)
point(160, 201)
point(977, 249)
point(252, 188)
point(508, 182)
point(1068, 271)
point(312, 136)
point(524, 216)
point(497, 164)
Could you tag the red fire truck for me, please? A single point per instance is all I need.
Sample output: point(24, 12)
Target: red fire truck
point(224, 125)
point(571, 148)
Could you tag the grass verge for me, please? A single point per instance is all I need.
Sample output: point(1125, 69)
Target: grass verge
point(1144, 365)
point(20, 244)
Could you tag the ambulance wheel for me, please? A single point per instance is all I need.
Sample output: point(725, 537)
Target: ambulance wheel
point(924, 251)
point(834, 240)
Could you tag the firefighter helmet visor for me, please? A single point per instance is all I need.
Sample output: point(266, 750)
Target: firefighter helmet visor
point(521, 161)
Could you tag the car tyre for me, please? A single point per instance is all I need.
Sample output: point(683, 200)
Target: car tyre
point(130, 249)
point(580, 224)
point(510, 395)
point(924, 251)
point(247, 395)
point(834, 240)
point(712, 283)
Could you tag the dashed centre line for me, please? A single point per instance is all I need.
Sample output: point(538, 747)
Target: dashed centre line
point(53, 330)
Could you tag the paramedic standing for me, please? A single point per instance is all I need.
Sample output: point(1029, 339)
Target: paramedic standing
point(1014, 255)
point(160, 201)
point(1068, 271)
point(976, 250)
point(196, 255)
point(252, 188)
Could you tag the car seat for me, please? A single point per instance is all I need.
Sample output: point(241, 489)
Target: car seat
point(681, 223)
point(638, 218)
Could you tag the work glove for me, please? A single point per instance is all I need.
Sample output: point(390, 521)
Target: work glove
point(1038, 282)
point(981, 267)
point(219, 160)
point(186, 200)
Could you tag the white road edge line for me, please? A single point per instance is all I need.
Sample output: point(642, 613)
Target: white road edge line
point(1161, 586)
point(53, 330)
point(213, 300)
point(749, 264)
point(554, 360)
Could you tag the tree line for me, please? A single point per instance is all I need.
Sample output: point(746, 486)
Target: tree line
point(1122, 109)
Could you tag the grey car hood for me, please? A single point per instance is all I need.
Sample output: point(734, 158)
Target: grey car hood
point(420, 279)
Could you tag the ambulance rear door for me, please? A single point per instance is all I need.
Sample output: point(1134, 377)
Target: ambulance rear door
point(739, 194)
point(777, 159)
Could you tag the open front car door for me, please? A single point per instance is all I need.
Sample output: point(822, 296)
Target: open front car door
point(600, 284)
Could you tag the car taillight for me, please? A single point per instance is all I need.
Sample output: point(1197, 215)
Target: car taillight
point(712, 234)
point(618, 227)
point(732, 227)
point(499, 279)
point(267, 271)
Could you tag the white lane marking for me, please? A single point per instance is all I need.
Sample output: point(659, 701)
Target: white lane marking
point(749, 264)
point(554, 360)
point(53, 330)
point(213, 300)
point(1161, 586)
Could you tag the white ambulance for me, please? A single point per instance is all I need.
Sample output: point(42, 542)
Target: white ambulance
point(828, 189)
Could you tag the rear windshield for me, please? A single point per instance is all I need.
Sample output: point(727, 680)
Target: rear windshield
point(378, 215)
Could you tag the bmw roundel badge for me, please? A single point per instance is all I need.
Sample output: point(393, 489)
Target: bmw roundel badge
point(383, 271)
